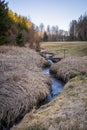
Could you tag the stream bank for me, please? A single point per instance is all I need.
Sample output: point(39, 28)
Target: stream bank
point(22, 83)
point(68, 110)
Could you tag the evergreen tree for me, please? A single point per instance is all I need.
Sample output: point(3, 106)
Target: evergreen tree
point(5, 23)
point(45, 37)
point(20, 39)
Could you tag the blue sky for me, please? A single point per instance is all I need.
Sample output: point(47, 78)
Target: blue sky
point(49, 12)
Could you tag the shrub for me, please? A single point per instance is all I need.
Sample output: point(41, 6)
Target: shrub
point(5, 23)
point(20, 39)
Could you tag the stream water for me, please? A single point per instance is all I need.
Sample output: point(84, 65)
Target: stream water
point(57, 85)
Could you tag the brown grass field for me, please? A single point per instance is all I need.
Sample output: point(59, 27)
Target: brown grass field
point(72, 48)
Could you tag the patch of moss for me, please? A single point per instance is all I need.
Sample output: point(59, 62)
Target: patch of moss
point(82, 78)
point(57, 120)
point(70, 87)
point(84, 50)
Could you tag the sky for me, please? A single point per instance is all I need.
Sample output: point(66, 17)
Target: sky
point(49, 12)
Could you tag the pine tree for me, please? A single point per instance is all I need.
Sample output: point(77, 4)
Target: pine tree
point(5, 23)
point(20, 39)
point(45, 37)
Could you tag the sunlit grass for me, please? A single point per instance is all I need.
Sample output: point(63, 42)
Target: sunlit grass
point(70, 67)
point(72, 48)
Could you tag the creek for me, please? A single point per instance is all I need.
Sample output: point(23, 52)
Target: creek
point(56, 85)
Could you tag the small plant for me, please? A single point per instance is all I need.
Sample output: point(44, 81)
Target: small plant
point(4, 40)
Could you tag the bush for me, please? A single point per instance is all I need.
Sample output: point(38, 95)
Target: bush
point(4, 39)
point(20, 39)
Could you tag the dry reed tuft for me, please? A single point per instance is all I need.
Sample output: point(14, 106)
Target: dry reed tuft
point(69, 68)
point(22, 83)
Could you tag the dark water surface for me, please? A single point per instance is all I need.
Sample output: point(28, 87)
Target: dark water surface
point(57, 85)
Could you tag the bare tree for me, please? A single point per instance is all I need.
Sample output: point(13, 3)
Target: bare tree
point(56, 32)
point(48, 29)
point(49, 32)
point(72, 30)
point(41, 29)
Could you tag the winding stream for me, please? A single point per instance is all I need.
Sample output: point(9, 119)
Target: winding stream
point(57, 85)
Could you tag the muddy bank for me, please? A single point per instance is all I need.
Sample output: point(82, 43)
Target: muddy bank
point(22, 83)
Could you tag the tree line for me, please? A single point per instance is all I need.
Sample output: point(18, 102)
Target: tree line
point(19, 30)
point(51, 33)
point(77, 31)
point(78, 28)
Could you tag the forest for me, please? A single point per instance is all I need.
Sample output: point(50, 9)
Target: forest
point(15, 29)
point(19, 30)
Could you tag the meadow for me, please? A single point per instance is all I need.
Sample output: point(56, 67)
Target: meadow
point(76, 48)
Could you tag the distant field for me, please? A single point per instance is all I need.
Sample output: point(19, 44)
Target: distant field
point(72, 48)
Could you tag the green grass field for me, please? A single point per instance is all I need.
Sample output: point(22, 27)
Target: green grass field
point(72, 48)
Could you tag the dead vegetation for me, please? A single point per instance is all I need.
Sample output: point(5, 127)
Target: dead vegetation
point(69, 68)
point(67, 112)
point(78, 48)
point(22, 83)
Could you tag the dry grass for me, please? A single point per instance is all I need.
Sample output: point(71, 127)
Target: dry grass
point(69, 68)
point(22, 83)
point(72, 48)
point(66, 112)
